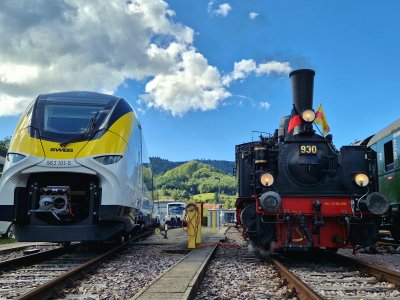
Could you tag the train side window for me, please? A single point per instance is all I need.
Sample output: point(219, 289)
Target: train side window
point(388, 149)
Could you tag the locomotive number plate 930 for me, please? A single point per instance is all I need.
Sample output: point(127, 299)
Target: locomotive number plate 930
point(308, 150)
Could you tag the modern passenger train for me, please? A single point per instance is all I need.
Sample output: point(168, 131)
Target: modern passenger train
point(77, 170)
point(171, 212)
point(176, 214)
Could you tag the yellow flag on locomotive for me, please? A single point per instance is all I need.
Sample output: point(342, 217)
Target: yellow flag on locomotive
point(321, 120)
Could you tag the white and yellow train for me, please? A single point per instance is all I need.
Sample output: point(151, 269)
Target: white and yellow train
point(77, 170)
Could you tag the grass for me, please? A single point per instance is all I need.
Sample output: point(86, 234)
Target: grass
point(206, 197)
point(7, 241)
point(210, 198)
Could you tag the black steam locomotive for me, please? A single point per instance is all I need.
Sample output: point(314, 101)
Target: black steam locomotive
point(297, 192)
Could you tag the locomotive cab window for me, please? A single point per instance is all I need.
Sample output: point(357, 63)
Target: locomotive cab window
point(66, 119)
point(61, 118)
point(388, 150)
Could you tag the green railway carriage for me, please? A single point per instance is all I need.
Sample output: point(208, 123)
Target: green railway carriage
point(386, 143)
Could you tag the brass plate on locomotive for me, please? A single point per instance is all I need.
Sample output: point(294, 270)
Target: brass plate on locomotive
point(308, 149)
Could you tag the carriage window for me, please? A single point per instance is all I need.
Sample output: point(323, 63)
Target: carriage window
point(388, 149)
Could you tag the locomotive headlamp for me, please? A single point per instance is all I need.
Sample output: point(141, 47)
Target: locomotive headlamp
point(361, 179)
point(270, 202)
point(108, 159)
point(12, 158)
point(376, 203)
point(308, 115)
point(266, 179)
point(15, 157)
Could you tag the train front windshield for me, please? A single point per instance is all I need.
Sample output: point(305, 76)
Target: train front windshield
point(175, 209)
point(62, 118)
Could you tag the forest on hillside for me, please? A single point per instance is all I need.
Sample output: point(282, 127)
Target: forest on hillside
point(160, 165)
point(193, 178)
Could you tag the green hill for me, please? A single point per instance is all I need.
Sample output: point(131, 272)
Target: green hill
point(193, 178)
point(160, 165)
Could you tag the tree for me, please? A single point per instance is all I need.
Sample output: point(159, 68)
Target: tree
point(5, 143)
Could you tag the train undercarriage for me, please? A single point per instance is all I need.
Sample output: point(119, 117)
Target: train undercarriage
point(62, 206)
point(325, 223)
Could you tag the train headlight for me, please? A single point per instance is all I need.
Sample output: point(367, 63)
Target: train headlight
point(308, 115)
point(14, 157)
point(266, 179)
point(108, 159)
point(270, 202)
point(376, 203)
point(361, 179)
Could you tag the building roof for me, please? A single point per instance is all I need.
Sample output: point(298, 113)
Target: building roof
point(392, 128)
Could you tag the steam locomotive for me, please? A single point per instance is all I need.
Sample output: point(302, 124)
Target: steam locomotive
point(296, 191)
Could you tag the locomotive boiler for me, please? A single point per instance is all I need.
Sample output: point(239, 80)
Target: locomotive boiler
point(77, 170)
point(296, 191)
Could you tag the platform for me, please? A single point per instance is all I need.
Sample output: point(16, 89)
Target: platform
point(182, 279)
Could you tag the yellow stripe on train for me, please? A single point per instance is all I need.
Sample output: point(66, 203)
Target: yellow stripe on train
point(113, 141)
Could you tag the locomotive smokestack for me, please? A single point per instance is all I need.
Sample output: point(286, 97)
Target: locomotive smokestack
point(302, 89)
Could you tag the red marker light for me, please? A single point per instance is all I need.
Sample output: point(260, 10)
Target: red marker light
point(389, 177)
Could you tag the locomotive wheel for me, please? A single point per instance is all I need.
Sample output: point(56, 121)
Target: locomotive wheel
point(249, 218)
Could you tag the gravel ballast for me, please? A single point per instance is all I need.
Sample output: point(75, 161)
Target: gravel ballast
point(234, 273)
point(123, 276)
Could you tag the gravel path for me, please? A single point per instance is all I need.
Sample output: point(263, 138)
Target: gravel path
point(236, 274)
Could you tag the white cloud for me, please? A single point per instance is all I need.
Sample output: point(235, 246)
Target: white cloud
point(11, 106)
point(245, 67)
point(17, 74)
point(273, 66)
point(253, 15)
point(75, 45)
point(265, 105)
point(222, 10)
point(194, 85)
point(49, 46)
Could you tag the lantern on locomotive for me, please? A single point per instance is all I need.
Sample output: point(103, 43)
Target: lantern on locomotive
point(298, 192)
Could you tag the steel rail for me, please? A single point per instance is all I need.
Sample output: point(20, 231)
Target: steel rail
point(377, 271)
point(31, 259)
point(17, 248)
point(47, 289)
point(302, 289)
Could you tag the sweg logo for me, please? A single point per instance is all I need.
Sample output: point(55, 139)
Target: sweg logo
point(61, 150)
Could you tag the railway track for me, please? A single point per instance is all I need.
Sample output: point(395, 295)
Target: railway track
point(38, 276)
point(337, 277)
point(12, 253)
point(38, 255)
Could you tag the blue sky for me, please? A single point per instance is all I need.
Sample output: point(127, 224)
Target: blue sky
point(199, 73)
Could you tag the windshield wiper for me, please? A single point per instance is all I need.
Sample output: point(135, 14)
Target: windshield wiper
point(87, 133)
